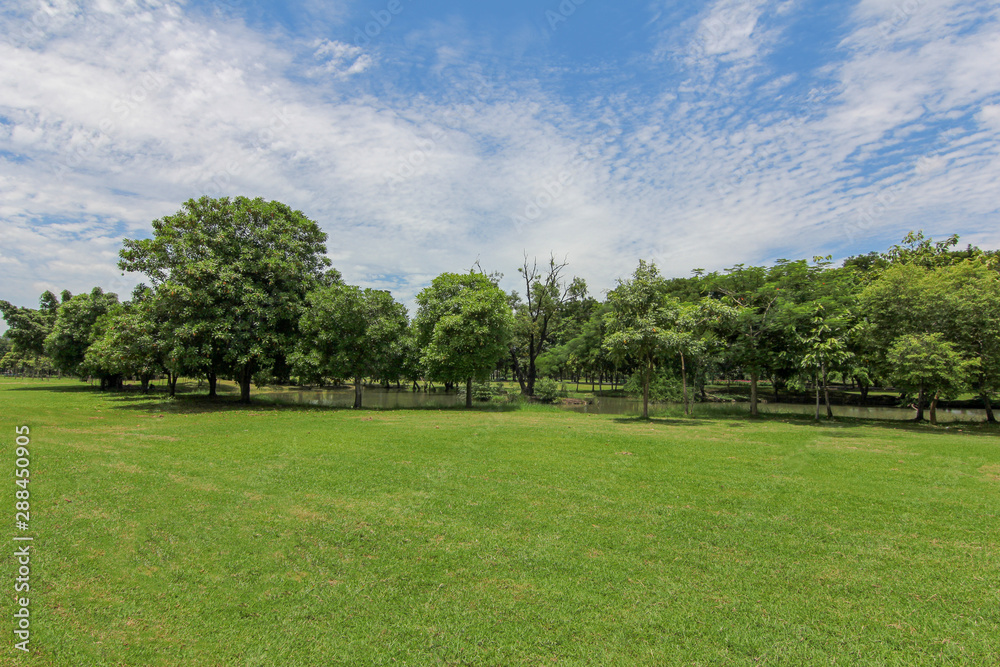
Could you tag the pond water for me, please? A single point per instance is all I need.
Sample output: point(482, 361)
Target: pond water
point(624, 406)
point(390, 399)
point(374, 397)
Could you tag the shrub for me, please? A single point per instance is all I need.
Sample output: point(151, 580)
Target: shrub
point(484, 391)
point(546, 390)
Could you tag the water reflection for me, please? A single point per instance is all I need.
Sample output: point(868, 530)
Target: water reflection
point(375, 398)
point(391, 399)
point(627, 406)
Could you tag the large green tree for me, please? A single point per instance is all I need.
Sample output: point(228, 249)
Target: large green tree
point(6, 344)
point(231, 276)
point(968, 292)
point(75, 329)
point(463, 326)
point(756, 333)
point(956, 299)
point(353, 333)
point(582, 351)
point(928, 363)
point(643, 324)
point(813, 318)
point(133, 341)
point(29, 327)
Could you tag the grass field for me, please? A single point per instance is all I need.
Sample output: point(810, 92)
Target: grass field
point(190, 533)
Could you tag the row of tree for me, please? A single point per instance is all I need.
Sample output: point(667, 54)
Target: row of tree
point(242, 289)
point(922, 317)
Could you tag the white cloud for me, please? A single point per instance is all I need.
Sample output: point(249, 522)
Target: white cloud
point(989, 116)
point(340, 59)
point(727, 31)
point(928, 164)
point(104, 140)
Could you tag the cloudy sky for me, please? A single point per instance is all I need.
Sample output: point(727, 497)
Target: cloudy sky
point(423, 135)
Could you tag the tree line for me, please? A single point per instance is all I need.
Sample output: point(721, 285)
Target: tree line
point(242, 289)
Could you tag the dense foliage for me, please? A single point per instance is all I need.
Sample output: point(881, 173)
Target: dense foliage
point(230, 277)
point(463, 327)
point(242, 289)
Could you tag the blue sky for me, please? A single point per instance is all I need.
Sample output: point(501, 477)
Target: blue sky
point(423, 135)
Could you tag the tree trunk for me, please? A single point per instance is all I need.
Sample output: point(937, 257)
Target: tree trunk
point(357, 393)
point(920, 405)
point(753, 394)
point(468, 392)
point(684, 386)
point(934, 402)
point(530, 386)
point(817, 394)
point(645, 390)
point(863, 388)
point(516, 366)
point(989, 409)
point(172, 384)
point(213, 381)
point(245, 376)
point(826, 393)
point(144, 381)
point(774, 385)
point(985, 395)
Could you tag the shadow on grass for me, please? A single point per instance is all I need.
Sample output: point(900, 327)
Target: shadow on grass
point(199, 404)
point(660, 421)
point(60, 389)
point(979, 428)
point(838, 427)
point(196, 403)
point(849, 424)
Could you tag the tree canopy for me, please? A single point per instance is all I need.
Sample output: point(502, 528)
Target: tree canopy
point(463, 326)
point(75, 329)
point(349, 332)
point(230, 276)
point(642, 323)
point(241, 288)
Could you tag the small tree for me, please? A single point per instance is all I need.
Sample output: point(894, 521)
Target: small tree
point(824, 348)
point(928, 363)
point(29, 328)
point(74, 329)
point(642, 324)
point(132, 341)
point(350, 332)
point(537, 316)
point(463, 326)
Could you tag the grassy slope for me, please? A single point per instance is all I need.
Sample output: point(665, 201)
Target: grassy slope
point(175, 534)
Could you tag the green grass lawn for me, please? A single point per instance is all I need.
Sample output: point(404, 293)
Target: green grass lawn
point(189, 533)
